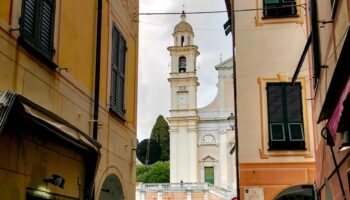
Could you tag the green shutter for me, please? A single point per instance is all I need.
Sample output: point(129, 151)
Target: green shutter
point(118, 57)
point(285, 116)
point(37, 25)
point(271, 1)
point(275, 112)
point(46, 29)
point(294, 112)
point(28, 20)
point(114, 69)
point(121, 77)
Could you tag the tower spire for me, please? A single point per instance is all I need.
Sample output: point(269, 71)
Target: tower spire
point(183, 15)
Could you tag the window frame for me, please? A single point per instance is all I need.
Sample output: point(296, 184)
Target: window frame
point(114, 104)
point(287, 143)
point(203, 143)
point(307, 116)
point(260, 20)
point(34, 43)
point(280, 3)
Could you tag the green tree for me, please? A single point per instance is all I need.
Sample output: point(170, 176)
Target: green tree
point(157, 173)
point(160, 133)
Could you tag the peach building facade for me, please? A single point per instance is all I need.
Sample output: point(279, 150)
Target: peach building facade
point(274, 120)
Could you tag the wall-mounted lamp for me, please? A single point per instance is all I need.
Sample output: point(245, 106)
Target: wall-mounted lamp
point(231, 121)
point(233, 149)
point(55, 180)
point(346, 141)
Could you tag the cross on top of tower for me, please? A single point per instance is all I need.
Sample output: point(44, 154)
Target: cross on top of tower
point(183, 15)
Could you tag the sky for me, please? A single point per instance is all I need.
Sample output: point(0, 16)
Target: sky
point(155, 35)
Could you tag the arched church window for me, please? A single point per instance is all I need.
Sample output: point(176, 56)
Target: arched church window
point(188, 40)
point(182, 40)
point(208, 139)
point(182, 64)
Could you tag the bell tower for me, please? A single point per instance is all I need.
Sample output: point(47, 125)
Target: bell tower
point(183, 112)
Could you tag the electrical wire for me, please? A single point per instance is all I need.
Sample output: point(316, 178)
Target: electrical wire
point(219, 11)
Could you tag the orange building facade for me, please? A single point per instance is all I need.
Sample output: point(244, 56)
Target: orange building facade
point(68, 86)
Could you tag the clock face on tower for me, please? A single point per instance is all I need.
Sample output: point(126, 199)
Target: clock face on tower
point(181, 99)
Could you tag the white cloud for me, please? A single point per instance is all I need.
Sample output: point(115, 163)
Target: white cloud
point(156, 36)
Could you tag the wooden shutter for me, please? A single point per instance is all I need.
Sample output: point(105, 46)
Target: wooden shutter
point(271, 1)
point(37, 25)
point(285, 116)
point(47, 16)
point(275, 113)
point(121, 77)
point(28, 20)
point(294, 112)
point(117, 95)
point(114, 69)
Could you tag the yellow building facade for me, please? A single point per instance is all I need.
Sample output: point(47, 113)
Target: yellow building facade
point(49, 58)
point(274, 119)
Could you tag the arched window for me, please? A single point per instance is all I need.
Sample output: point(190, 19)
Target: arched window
point(182, 40)
point(208, 139)
point(182, 64)
point(188, 40)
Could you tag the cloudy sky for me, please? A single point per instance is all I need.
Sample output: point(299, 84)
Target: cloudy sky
point(154, 59)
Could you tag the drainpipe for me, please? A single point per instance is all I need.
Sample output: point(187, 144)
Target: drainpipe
point(97, 72)
point(235, 93)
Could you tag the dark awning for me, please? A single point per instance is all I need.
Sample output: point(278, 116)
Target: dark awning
point(10, 101)
point(338, 82)
point(12, 104)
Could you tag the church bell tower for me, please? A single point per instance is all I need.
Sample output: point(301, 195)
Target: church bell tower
point(183, 113)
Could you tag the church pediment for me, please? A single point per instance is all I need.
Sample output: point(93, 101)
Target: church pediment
point(208, 159)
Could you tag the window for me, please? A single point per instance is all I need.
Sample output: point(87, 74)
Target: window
point(182, 40)
point(37, 25)
point(208, 139)
point(209, 175)
point(182, 88)
point(182, 64)
point(118, 73)
point(285, 118)
point(280, 8)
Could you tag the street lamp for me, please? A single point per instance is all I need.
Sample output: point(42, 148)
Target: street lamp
point(231, 120)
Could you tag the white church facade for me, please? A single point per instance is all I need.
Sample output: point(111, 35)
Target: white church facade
point(202, 160)
point(200, 138)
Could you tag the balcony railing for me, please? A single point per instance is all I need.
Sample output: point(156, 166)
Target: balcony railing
point(184, 187)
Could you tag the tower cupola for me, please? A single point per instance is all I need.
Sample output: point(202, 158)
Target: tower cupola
point(183, 32)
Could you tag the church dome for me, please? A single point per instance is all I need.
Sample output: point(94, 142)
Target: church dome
point(183, 26)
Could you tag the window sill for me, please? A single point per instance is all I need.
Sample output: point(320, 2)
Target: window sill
point(261, 20)
point(280, 17)
point(117, 116)
point(33, 50)
point(290, 149)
